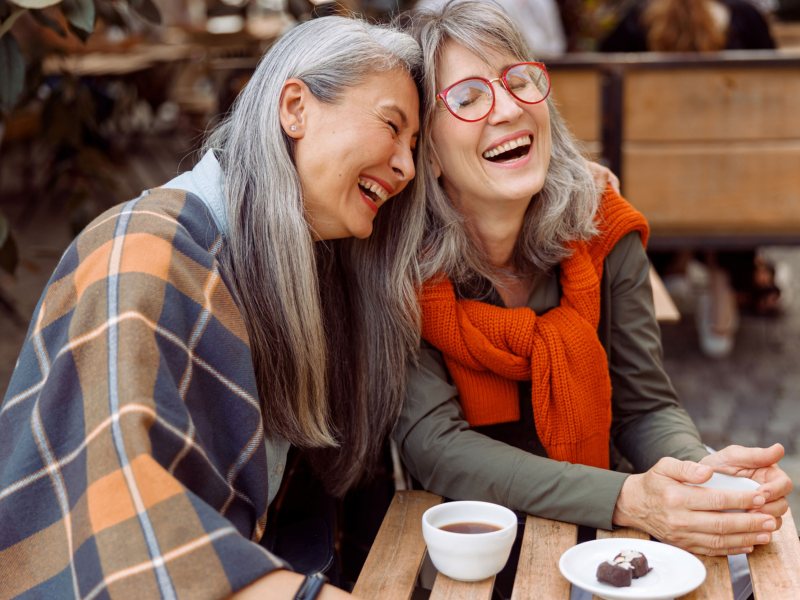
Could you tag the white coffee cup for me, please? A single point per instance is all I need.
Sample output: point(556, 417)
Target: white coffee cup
point(469, 556)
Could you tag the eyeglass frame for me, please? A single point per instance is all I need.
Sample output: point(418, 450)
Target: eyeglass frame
point(502, 79)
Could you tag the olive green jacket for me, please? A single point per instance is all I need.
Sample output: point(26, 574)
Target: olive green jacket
point(506, 463)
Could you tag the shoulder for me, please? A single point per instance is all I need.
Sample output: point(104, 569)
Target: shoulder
point(615, 219)
point(149, 254)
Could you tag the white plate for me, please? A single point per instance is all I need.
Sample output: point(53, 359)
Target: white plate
point(675, 571)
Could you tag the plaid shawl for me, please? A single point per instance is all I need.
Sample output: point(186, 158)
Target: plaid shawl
point(132, 453)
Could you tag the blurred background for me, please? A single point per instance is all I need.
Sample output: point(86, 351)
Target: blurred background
point(100, 99)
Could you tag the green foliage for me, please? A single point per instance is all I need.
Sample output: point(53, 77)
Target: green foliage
point(80, 17)
point(12, 73)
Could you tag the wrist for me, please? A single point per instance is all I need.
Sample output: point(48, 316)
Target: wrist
point(311, 587)
point(624, 509)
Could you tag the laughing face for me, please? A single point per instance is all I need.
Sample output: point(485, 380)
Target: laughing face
point(354, 155)
point(497, 163)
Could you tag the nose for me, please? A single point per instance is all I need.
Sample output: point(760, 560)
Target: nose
point(506, 108)
point(402, 163)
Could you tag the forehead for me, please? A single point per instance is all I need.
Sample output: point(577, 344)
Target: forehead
point(457, 62)
point(390, 90)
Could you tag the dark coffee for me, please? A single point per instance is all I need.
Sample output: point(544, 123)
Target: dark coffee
point(470, 527)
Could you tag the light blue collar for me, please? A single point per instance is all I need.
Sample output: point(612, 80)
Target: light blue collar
point(206, 182)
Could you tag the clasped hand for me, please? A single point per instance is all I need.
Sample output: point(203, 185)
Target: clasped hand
point(660, 503)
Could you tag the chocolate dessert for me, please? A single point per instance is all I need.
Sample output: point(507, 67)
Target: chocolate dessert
point(623, 568)
point(637, 560)
point(616, 574)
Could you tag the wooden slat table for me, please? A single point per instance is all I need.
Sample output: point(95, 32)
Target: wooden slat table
point(394, 562)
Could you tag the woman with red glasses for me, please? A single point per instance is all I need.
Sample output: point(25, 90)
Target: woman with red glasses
point(542, 356)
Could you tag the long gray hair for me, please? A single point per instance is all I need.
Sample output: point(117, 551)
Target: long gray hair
point(331, 324)
point(561, 212)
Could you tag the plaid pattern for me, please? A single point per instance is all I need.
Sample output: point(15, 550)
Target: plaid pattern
point(132, 454)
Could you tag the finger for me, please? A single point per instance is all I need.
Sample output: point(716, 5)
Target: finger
point(684, 471)
point(776, 484)
point(776, 509)
point(718, 545)
point(724, 524)
point(614, 181)
point(703, 499)
point(738, 458)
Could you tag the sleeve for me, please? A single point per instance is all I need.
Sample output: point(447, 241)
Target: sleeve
point(648, 422)
point(448, 458)
point(132, 459)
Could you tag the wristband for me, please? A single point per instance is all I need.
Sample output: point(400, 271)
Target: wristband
point(311, 587)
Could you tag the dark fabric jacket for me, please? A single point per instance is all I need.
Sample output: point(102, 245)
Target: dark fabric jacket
point(506, 463)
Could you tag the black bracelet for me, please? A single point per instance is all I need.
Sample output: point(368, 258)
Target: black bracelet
point(311, 587)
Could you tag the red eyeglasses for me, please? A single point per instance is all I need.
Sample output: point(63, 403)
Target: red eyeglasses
point(472, 99)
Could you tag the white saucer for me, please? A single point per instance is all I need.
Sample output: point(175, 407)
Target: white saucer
point(675, 571)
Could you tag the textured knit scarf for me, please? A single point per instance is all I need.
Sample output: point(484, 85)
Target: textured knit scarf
point(487, 349)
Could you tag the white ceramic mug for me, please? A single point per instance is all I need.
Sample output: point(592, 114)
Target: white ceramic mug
point(469, 556)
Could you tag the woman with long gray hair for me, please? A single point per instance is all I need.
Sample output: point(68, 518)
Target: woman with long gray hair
point(541, 346)
point(189, 337)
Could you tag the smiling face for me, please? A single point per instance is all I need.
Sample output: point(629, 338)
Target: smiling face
point(500, 161)
point(355, 154)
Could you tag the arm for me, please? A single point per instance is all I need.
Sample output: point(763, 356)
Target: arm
point(648, 421)
point(649, 424)
point(133, 457)
point(448, 458)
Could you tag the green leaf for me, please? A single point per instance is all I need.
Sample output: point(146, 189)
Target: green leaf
point(8, 247)
point(12, 72)
point(35, 3)
point(147, 10)
point(80, 14)
point(6, 25)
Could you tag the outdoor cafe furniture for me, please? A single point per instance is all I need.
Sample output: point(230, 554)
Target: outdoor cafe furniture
point(392, 567)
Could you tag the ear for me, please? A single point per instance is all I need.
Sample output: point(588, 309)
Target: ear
point(293, 107)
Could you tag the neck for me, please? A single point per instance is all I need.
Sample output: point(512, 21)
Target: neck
point(496, 232)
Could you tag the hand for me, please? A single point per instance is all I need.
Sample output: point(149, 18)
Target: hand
point(603, 176)
point(759, 464)
point(689, 517)
point(282, 584)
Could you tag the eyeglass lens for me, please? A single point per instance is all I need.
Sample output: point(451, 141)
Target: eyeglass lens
point(472, 99)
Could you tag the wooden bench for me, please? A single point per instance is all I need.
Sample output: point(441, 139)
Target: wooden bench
point(394, 561)
point(707, 146)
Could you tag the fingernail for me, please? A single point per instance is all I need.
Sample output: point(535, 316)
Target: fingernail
point(769, 525)
point(759, 500)
point(762, 538)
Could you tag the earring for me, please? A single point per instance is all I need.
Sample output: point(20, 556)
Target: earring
point(293, 128)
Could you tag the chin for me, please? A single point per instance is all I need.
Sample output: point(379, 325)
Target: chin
point(363, 232)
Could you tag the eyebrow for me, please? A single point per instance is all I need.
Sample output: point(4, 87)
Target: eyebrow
point(400, 112)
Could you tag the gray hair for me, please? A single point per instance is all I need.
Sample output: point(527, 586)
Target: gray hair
point(306, 304)
point(563, 211)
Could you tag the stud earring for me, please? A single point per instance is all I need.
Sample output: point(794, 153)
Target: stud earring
point(293, 128)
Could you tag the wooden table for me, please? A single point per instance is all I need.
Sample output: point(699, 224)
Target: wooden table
point(391, 569)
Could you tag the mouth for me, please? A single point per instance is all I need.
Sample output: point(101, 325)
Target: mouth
point(509, 151)
point(373, 191)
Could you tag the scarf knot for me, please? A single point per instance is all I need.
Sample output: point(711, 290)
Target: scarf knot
point(488, 349)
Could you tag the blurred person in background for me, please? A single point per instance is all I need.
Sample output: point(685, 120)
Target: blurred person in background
point(732, 279)
point(542, 358)
point(539, 22)
point(188, 338)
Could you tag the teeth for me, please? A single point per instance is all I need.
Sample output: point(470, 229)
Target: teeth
point(374, 187)
point(525, 140)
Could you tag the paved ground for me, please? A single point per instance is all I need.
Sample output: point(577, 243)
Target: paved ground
point(753, 396)
point(750, 398)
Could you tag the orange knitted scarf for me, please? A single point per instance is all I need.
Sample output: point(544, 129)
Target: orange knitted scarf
point(488, 349)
